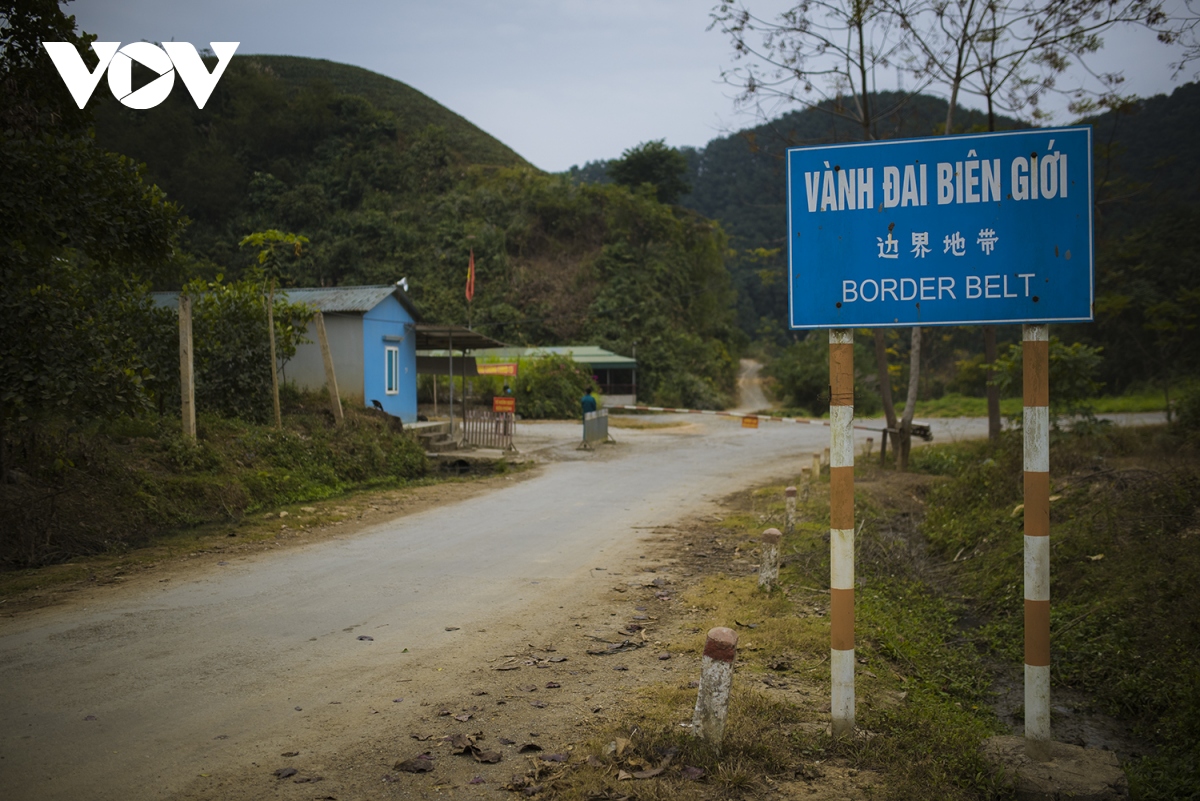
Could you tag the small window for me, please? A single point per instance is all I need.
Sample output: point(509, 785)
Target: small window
point(393, 370)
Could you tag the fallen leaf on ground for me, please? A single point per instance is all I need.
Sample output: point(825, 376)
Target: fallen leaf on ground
point(421, 763)
point(284, 773)
point(309, 780)
point(290, 754)
point(528, 748)
point(463, 718)
point(553, 757)
point(366, 638)
point(692, 774)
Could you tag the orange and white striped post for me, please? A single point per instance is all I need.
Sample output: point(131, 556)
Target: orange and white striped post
point(1036, 380)
point(841, 533)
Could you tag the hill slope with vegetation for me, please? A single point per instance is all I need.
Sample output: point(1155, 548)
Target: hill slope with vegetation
point(1146, 205)
point(387, 184)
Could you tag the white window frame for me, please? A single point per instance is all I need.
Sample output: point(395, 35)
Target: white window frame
point(391, 370)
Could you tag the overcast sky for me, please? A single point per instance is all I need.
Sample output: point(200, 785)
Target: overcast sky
point(562, 82)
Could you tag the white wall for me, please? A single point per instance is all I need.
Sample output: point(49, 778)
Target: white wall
point(307, 369)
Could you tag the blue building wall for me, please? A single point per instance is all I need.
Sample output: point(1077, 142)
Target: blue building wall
point(390, 325)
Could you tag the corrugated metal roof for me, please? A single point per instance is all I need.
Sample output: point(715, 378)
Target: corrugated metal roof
point(352, 299)
point(584, 354)
point(342, 298)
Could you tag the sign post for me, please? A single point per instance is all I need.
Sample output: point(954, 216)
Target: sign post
point(964, 230)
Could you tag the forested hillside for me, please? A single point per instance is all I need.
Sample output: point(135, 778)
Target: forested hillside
point(387, 184)
point(1147, 306)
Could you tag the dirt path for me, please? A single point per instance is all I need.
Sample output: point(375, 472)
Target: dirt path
point(750, 393)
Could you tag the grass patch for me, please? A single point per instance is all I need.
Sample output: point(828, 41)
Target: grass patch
point(640, 424)
point(110, 488)
point(1125, 618)
point(922, 689)
point(953, 404)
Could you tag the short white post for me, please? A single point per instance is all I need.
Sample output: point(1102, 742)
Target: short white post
point(816, 468)
point(790, 502)
point(841, 530)
point(1036, 368)
point(768, 570)
point(825, 457)
point(716, 680)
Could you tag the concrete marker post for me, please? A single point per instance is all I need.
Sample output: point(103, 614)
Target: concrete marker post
point(841, 533)
point(790, 502)
point(1036, 380)
point(768, 570)
point(816, 468)
point(716, 680)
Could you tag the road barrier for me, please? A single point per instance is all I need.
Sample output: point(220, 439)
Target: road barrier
point(595, 429)
point(919, 429)
point(487, 429)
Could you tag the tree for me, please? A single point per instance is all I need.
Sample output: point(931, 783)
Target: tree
point(822, 54)
point(272, 243)
point(79, 228)
point(652, 163)
point(1010, 54)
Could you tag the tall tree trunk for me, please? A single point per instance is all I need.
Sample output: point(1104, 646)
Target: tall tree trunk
point(993, 391)
point(885, 382)
point(910, 403)
point(885, 392)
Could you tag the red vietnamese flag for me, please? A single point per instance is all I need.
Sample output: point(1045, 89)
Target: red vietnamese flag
point(471, 278)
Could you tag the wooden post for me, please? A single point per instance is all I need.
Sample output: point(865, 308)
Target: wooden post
point(335, 401)
point(1036, 379)
point(187, 383)
point(274, 372)
point(841, 530)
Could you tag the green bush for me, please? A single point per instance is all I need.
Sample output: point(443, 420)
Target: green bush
point(231, 348)
point(120, 484)
point(550, 388)
point(802, 374)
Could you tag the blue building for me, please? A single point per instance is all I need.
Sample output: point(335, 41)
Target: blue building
point(372, 337)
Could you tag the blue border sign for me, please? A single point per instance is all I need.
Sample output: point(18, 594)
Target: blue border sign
point(954, 230)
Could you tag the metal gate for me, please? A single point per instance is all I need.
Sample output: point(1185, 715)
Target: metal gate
point(487, 429)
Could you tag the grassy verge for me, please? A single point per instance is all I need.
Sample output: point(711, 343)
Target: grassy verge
point(1125, 619)
point(922, 689)
point(955, 405)
point(113, 487)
